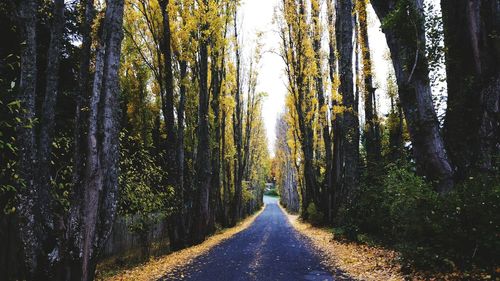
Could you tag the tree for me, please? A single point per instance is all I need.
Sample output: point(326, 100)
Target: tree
point(372, 128)
point(473, 76)
point(406, 41)
point(286, 175)
point(203, 165)
point(48, 249)
point(238, 130)
point(299, 57)
point(344, 27)
point(322, 104)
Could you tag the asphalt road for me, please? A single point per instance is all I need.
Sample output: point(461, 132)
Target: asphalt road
point(269, 249)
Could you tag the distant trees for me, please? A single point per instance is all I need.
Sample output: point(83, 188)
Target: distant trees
point(201, 69)
point(298, 55)
point(284, 168)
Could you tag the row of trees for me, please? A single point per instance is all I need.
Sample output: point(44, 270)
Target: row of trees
point(341, 161)
point(145, 109)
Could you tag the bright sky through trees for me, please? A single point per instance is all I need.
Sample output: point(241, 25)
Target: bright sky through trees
point(257, 15)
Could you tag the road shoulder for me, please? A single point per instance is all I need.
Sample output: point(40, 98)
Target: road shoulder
point(162, 266)
point(361, 262)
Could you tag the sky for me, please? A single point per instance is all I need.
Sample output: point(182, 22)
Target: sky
point(257, 15)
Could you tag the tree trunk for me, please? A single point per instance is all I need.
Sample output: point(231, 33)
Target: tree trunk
point(101, 177)
point(323, 106)
point(336, 118)
point(372, 129)
point(350, 128)
point(472, 68)
point(226, 175)
point(175, 228)
point(412, 75)
point(47, 123)
point(73, 221)
point(238, 135)
point(203, 165)
point(180, 153)
point(218, 72)
point(30, 218)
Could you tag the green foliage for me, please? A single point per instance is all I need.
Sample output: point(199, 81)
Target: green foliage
point(456, 230)
point(62, 165)
point(272, 192)
point(404, 19)
point(9, 108)
point(144, 198)
point(314, 216)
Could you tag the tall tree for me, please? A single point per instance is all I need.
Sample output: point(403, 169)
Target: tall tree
point(176, 231)
point(28, 197)
point(218, 73)
point(238, 131)
point(203, 165)
point(471, 129)
point(344, 27)
point(372, 128)
point(322, 102)
point(403, 25)
point(101, 176)
point(300, 61)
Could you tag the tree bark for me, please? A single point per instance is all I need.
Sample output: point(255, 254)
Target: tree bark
point(47, 123)
point(176, 233)
point(238, 135)
point(412, 75)
point(73, 222)
point(350, 128)
point(372, 129)
point(473, 74)
point(203, 165)
point(30, 218)
point(101, 177)
point(323, 106)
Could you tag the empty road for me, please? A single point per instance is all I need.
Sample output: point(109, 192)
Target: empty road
point(269, 249)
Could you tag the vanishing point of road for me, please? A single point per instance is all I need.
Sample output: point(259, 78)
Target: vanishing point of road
point(270, 249)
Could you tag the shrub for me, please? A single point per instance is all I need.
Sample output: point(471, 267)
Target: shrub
point(314, 216)
point(458, 229)
point(272, 192)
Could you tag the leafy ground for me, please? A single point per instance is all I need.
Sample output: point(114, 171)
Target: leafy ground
point(158, 267)
point(359, 261)
point(266, 246)
point(365, 262)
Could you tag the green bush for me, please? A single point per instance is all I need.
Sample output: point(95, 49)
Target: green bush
point(272, 192)
point(314, 216)
point(456, 230)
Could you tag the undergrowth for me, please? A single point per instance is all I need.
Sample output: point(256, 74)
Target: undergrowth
point(456, 231)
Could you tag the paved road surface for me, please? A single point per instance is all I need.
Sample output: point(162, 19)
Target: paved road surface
point(268, 250)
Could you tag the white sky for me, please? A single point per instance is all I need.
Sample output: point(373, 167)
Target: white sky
point(257, 15)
